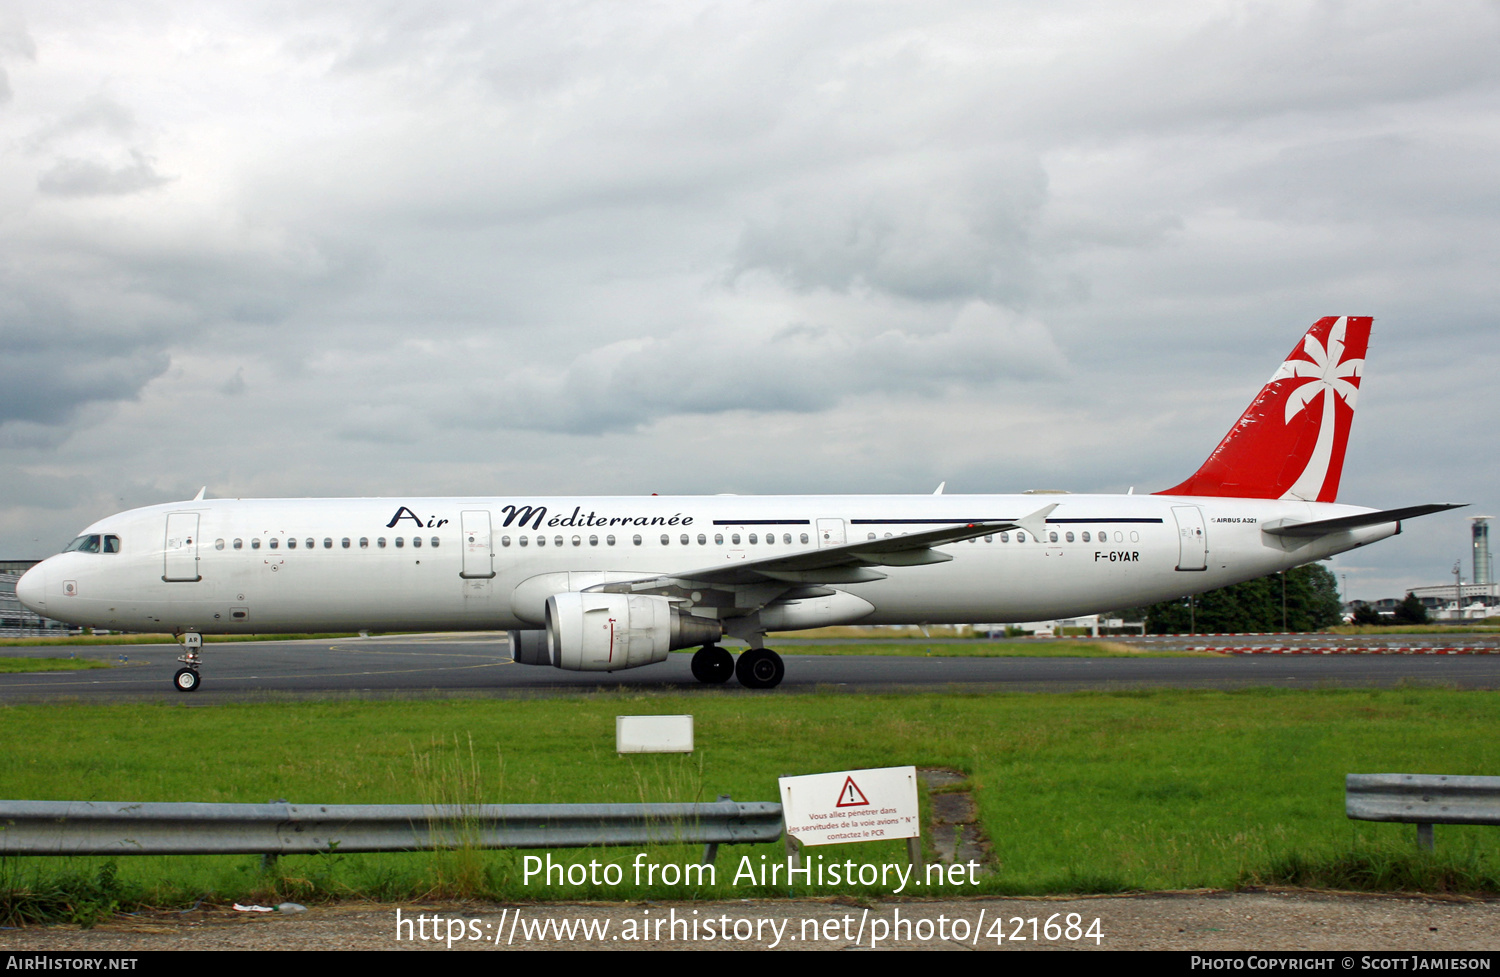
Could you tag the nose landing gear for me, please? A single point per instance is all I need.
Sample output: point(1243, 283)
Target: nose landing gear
point(187, 679)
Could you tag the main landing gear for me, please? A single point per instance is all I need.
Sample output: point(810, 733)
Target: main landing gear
point(712, 664)
point(758, 668)
point(187, 679)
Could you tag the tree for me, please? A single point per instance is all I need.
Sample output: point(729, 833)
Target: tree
point(1311, 603)
point(1411, 611)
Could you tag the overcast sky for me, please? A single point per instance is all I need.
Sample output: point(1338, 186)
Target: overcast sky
point(312, 248)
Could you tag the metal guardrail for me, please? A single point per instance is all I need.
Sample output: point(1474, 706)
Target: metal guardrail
point(1422, 799)
point(116, 828)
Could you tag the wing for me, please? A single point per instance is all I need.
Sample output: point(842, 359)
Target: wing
point(851, 562)
point(749, 584)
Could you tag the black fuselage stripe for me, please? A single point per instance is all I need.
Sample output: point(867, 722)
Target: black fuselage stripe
point(761, 522)
point(949, 522)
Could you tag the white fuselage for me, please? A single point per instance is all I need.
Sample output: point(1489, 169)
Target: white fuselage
point(227, 566)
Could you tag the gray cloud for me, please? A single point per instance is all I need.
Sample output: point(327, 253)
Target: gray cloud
point(801, 368)
point(92, 178)
point(963, 230)
point(48, 386)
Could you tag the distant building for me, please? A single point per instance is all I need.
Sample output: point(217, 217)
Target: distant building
point(15, 619)
point(1453, 601)
point(1459, 602)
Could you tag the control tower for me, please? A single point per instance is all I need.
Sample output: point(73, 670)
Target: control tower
point(1482, 566)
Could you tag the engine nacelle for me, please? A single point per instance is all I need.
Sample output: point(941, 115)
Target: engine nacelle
point(530, 648)
point(599, 632)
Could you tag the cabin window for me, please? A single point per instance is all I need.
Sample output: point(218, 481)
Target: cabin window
point(1052, 537)
point(255, 543)
point(735, 538)
point(1119, 537)
point(786, 538)
point(1135, 537)
point(1069, 537)
point(310, 544)
point(416, 541)
point(541, 541)
point(380, 542)
point(1086, 536)
point(1020, 537)
point(637, 540)
point(328, 542)
point(753, 540)
point(718, 539)
point(364, 542)
point(522, 541)
point(577, 540)
point(239, 544)
point(804, 538)
point(702, 540)
point(666, 540)
point(989, 539)
point(433, 541)
point(400, 542)
point(593, 540)
point(274, 542)
point(610, 540)
point(218, 544)
point(685, 539)
point(504, 540)
point(345, 542)
point(291, 544)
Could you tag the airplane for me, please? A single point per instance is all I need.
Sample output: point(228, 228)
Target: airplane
point(609, 583)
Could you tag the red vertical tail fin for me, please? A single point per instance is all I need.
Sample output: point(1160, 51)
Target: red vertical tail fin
point(1289, 443)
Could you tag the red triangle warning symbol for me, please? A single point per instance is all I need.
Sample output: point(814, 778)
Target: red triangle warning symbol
point(850, 795)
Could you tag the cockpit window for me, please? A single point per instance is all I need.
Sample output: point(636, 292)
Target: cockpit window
point(84, 544)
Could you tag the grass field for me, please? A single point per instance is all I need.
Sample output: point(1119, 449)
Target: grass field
point(1086, 792)
point(152, 639)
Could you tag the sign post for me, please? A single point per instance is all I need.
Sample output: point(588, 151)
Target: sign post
point(853, 805)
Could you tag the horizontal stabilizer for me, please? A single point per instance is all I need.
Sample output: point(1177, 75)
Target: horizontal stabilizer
point(1324, 527)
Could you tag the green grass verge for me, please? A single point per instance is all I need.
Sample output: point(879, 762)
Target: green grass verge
point(158, 639)
point(12, 665)
point(1084, 792)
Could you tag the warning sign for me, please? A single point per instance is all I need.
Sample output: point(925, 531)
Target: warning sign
point(852, 805)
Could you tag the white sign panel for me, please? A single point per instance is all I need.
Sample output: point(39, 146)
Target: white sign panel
point(653, 734)
point(854, 805)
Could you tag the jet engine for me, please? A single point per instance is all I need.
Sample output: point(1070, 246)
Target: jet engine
point(598, 632)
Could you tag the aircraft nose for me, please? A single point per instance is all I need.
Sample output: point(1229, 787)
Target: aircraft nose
point(31, 589)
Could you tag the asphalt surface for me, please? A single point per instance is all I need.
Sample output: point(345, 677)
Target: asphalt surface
point(479, 665)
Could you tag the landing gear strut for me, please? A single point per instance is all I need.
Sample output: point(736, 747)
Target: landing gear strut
point(712, 664)
point(759, 668)
point(186, 679)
